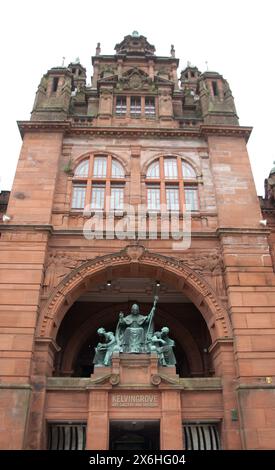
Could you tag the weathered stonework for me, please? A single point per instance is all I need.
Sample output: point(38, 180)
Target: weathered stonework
point(56, 286)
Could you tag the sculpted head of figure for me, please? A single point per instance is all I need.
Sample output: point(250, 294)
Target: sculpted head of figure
point(135, 309)
point(165, 330)
point(101, 331)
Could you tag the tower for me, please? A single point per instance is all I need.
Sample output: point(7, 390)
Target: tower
point(140, 150)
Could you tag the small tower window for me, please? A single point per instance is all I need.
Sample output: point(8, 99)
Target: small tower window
point(55, 84)
point(121, 105)
point(135, 106)
point(150, 110)
point(215, 89)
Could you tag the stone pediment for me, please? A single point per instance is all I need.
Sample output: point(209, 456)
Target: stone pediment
point(135, 44)
point(135, 79)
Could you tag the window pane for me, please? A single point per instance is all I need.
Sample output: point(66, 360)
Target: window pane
point(117, 169)
point(150, 106)
point(82, 169)
point(187, 170)
point(100, 167)
point(135, 105)
point(78, 199)
point(65, 436)
point(153, 170)
point(98, 193)
point(172, 199)
point(121, 105)
point(191, 198)
point(170, 168)
point(153, 198)
point(201, 437)
point(117, 198)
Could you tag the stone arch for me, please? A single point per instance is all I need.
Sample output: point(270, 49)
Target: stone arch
point(180, 334)
point(85, 156)
point(134, 260)
point(182, 156)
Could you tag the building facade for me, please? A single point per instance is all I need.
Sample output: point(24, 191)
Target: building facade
point(105, 174)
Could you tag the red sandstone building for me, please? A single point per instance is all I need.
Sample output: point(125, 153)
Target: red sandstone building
point(138, 135)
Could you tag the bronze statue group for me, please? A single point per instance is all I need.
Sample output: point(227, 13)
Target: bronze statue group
point(135, 335)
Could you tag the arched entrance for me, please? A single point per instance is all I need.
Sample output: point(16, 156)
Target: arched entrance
point(135, 263)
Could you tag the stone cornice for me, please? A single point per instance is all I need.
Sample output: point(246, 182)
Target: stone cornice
point(26, 227)
point(43, 126)
point(255, 387)
point(70, 128)
point(223, 231)
point(226, 131)
point(242, 231)
point(14, 386)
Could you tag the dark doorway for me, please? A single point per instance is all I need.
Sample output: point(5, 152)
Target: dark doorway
point(134, 435)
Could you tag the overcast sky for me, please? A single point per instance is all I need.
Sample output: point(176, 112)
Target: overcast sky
point(236, 38)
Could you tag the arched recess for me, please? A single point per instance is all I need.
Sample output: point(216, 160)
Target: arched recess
point(134, 261)
point(180, 334)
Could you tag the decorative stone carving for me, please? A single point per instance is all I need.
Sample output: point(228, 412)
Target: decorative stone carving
point(165, 103)
point(114, 379)
point(135, 79)
point(196, 283)
point(155, 379)
point(135, 252)
point(106, 101)
point(210, 266)
point(58, 265)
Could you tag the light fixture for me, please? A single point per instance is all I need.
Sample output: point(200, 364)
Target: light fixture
point(157, 284)
point(109, 283)
point(6, 218)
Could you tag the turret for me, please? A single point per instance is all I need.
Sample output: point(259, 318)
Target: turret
point(78, 73)
point(53, 95)
point(217, 102)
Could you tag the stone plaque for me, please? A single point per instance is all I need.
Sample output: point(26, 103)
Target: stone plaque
point(144, 400)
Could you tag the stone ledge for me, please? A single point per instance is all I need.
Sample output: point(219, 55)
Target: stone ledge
point(188, 384)
point(201, 383)
point(256, 387)
point(16, 386)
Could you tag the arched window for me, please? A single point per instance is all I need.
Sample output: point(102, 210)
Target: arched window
point(98, 183)
point(172, 183)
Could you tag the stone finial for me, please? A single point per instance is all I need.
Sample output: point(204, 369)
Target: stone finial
point(98, 49)
point(172, 51)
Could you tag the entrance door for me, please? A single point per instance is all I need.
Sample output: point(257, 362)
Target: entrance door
point(134, 435)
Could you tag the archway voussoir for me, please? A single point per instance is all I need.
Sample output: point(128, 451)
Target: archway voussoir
point(171, 269)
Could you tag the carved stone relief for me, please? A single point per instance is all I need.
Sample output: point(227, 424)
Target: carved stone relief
point(57, 266)
point(210, 267)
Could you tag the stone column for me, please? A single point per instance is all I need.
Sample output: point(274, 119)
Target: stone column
point(171, 437)
point(98, 421)
point(224, 365)
point(45, 349)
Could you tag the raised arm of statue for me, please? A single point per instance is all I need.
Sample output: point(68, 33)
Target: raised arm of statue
point(150, 329)
point(153, 309)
